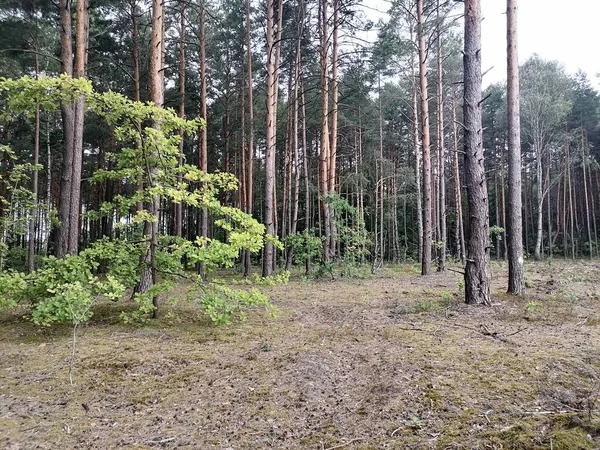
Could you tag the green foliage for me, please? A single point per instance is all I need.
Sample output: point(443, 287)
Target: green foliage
point(16, 198)
point(62, 291)
point(224, 305)
point(496, 230)
point(306, 246)
point(12, 287)
point(149, 137)
point(351, 233)
point(280, 278)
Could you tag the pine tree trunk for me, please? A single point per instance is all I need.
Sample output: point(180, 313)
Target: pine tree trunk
point(324, 156)
point(73, 64)
point(425, 145)
point(441, 148)
point(459, 230)
point(149, 274)
point(34, 178)
point(417, 150)
point(333, 131)
point(271, 138)
point(182, 66)
point(249, 185)
point(203, 136)
point(477, 283)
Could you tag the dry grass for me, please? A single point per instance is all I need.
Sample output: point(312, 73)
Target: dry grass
point(394, 361)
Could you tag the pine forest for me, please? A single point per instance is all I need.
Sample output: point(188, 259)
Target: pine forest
point(319, 218)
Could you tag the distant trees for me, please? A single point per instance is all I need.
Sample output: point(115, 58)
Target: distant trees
point(340, 158)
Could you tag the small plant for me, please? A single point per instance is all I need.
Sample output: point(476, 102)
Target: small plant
point(534, 307)
point(224, 305)
point(446, 298)
point(281, 277)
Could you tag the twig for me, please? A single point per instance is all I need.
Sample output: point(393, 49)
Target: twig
point(486, 332)
point(162, 441)
point(454, 270)
point(516, 332)
point(346, 443)
point(412, 329)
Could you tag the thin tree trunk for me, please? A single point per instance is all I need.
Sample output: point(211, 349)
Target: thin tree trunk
point(441, 147)
point(203, 137)
point(477, 283)
point(324, 142)
point(182, 66)
point(247, 261)
point(585, 193)
point(417, 150)
point(36, 159)
point(333, 131)
point(460, 231)
point(150, 275)
point(307, 202)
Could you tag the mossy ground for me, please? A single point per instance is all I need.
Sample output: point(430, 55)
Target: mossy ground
point(395, 361)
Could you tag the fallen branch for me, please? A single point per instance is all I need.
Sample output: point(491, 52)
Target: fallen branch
point(455, 271)
point(487, 332)
point(532, 413)
point(162, 441)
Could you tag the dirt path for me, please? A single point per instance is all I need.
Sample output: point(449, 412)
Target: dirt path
point(394, 361)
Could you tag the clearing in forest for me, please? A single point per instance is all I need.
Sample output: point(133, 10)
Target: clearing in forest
point(390, 361)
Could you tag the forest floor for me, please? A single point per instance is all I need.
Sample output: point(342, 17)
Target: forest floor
point(394, 361)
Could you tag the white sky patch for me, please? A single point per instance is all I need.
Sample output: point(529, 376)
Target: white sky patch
point(567, 32)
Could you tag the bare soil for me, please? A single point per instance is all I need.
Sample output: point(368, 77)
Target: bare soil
point(393, 361)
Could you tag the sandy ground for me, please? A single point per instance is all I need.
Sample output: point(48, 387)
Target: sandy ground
point(394, 361)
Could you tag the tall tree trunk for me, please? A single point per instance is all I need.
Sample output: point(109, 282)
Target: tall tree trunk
point(425, 145)
point(477, 283)
point(584, 163)
point(295, 147)
point(203, 136)
point(73, 64)
point(324, 155)
point(150, 275)
point(417, 150)
point(247, 262)
point(182, 65)
point(333, 131)
point(36, 159)
point(271, 138)
point(539, 196)
point(441, 147)
point(460, 230)
point(307, 198)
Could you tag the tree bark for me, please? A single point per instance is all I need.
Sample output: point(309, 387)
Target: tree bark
point(36, 158)
point(441, 147)
point(73, 64)
point(271, 138)
point(425, 145)
point(182, 66)
point(324, 155)
point(150, 273)
point(477, 284)
point(333, 131)
point(460, 230)
point(249, 185)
